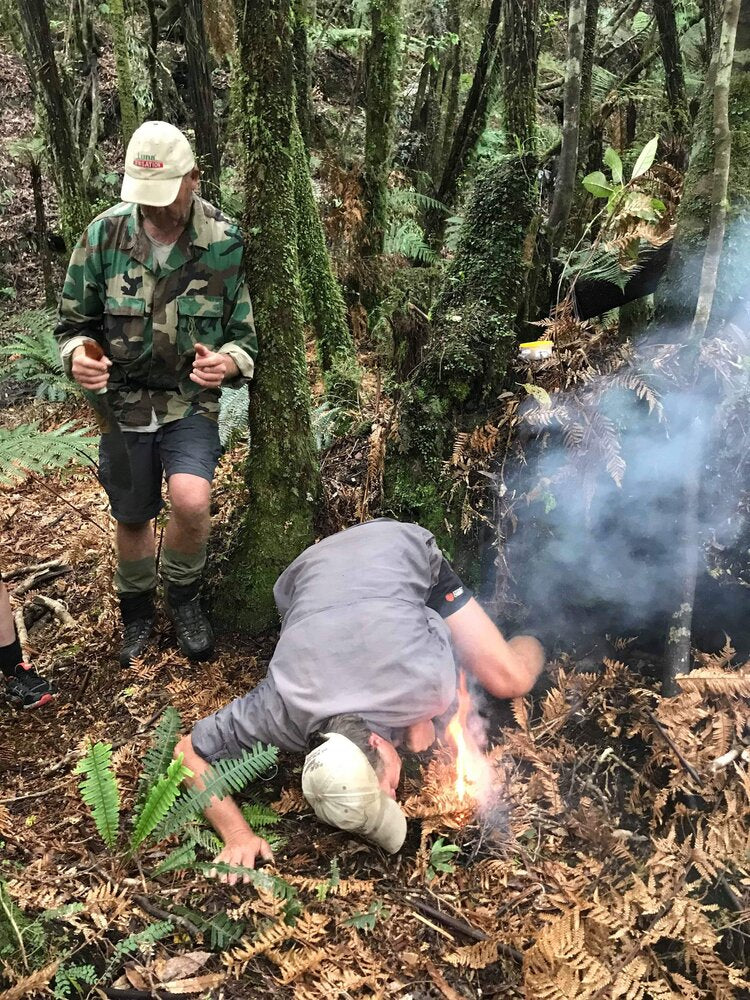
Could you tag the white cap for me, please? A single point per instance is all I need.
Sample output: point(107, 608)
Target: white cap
point(341, 785)
point(158, 157)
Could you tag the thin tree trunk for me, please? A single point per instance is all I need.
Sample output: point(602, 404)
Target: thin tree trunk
point(325, 309)
point(40, 225)
point(677, 660)
point(202, 99)
point(452, 89)
point(381, 61)
point(472, 124)
point(153, 51)
point(128, 118)
point(587, 72)
point(673, 67)
point(519, 53)
point(568, 163)
point(75, 209)
point(304, 16)
point(282, 473)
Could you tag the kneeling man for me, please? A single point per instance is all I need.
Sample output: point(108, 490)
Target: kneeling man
point(375, 625)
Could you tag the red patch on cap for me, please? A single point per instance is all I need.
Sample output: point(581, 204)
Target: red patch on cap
point(154, 164)
point(450, 597)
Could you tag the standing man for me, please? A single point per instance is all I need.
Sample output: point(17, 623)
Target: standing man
point(157, 283)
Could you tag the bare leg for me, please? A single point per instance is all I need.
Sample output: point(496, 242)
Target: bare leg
point(7, 628)
point(190, 521)
point(134, 541)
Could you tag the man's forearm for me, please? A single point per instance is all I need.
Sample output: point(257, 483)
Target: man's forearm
point(223, 814)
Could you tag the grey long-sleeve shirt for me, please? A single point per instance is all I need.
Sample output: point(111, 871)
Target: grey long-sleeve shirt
point(357, 636)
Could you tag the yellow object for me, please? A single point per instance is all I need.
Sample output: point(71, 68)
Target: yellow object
point(536, 350)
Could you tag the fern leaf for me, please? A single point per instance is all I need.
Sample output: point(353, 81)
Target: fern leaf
point(32, 355)
point(199, 836)
point(180, 859)
point(225, 777)
point(160, 800)
point(99, 790)
point(159, 754)
point(25, 449)
point(134, 942)
point(259, 816)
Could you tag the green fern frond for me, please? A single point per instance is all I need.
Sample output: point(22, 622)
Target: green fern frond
point(259, 816)
point(99, 790)
point(233, 416)
point(224, 778)
point(32, 355)
point(408, 198)
point(200, 836)
point(259, 878)
point(25, 449)
point(179, 859)
point(160, 800)
point(134, 942)
point(223, 931)
point(68, 981)
point(406, 239)
point(159, 754)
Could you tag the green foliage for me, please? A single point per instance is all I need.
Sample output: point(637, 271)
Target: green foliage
point(618, 192)
point(325, 419)
point(160, 800)
point(366, 921)
point(70, 981)
point(261, 880)
point(25, 449)
point(31, 355)
point(99, 790)
point(440, 858)
point(179, 859)
point(233, 416)
point(222, 931)
point(224, 777)
point(134, 942)
point(406, 239)
point(159, 754)
point(332, 881)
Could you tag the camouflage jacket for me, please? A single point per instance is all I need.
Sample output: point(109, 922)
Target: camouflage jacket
point(148, 318)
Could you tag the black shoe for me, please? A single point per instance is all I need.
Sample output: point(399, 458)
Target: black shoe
point(26, 689)
point(138, 625)
point(194, 633)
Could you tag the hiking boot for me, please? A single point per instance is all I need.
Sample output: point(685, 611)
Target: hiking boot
point(138, 615)
point(26, 689)
point(194, 634)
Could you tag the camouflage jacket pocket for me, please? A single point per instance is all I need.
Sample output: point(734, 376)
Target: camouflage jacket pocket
point(124, 326)
point(199, 321)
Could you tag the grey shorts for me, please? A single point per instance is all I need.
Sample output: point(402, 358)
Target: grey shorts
point(190, 445)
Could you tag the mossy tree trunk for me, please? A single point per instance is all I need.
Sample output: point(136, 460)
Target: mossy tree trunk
point(590, 32)
point(128, 117)
point(324, 306)
point(153, 51)
point(381, 60)
point(75, 207)
point(519, 47)
point(201, 95)
point(568, 162)
point(471, 125)
point(674, 73)
point(451, 92)
point(282, 470)
point(473, 336)
point(304, 16)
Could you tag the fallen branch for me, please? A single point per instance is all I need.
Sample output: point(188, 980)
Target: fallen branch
point(23, 635)
point(175, 918)
point(13, 574)
point(460, 925)
point(57, 608)
point(675, 750)
point(40, 577)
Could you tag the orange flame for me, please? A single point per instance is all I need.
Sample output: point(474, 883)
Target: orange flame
point(472, 768)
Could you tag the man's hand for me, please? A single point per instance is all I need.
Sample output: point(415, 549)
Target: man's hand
point(89, 372)
point(420, 736)
point(211, 368)
point(242, 852)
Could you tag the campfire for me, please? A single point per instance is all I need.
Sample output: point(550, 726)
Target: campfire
point(473, 784)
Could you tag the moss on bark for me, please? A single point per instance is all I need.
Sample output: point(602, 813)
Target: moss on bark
point(473, 337)
point(323, 300)
point(128, 119)
point(282, 469)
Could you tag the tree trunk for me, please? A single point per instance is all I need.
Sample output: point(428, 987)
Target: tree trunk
point(425, 115)
point(40, 226)
point(282, 470)
point(304, 16)
point(678, 657)
point(381, 61)
point(325, 310)
point(202, 99)
point(587, 71)
point(473, 335)
point(452, 88)
point(471, 125)
point(75, 209)
point(568, 163)
point(153, 49)
point(673, 67)
point(128, 117)
point(519, 48)
point(712, 10)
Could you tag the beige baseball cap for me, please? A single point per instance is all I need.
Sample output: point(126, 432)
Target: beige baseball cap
point(157, 159)
point(341, 785)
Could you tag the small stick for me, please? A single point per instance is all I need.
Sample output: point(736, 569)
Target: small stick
point(675, 750)
point(434, 927)
point(36, 568)
point(57, 608)
point(38, 578)
point(175, 918)
point(110, 991)
point(30, 795)
point(461, 926)
point(23, 635)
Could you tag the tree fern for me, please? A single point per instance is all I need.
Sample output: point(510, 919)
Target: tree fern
point(407, 240)
point(160, 800)
point(400, 198)
point(224, 777)
point(233, 416)
point(99, 791)
point(25, 449)
point(32, 355)
point(159, 754)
